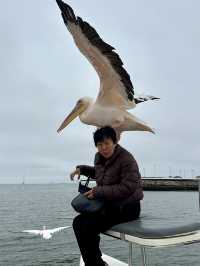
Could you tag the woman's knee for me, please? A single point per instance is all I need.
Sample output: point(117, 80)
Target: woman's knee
point(86, 222)
point(81, 221)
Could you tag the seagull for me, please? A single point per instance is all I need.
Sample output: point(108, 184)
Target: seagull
point(46, 234)
point(116, 93)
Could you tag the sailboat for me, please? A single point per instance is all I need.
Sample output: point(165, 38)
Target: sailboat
point(23, 181)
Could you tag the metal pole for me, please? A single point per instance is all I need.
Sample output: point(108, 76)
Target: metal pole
point(143, 251)
point(199, 191)
point(130, 254)
point(144, 172)
point(170, 172)
point(154, 170)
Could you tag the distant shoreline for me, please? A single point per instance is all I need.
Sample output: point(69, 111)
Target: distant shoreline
point(149, 184)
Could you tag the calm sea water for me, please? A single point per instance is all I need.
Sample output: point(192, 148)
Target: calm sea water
point(32, 206)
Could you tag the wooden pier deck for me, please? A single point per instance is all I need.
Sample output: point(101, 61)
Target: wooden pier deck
point(170, 184)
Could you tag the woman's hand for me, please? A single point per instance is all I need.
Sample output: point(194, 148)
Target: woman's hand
point(89, 194)
point(74, 173)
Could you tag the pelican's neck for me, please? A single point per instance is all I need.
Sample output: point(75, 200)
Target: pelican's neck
point(88, 101)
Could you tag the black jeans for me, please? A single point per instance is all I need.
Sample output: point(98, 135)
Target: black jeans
point(87, 228)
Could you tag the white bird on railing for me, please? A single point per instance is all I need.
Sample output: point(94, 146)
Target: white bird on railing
point(46, 234)
point(116, 93)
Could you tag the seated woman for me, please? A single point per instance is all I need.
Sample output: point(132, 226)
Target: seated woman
point(118, 183)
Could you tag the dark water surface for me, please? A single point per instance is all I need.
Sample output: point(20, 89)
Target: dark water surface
point(32, 206)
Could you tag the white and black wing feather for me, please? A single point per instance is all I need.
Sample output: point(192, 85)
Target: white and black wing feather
point(116, 87)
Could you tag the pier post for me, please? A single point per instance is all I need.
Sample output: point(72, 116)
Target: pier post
point(130, 254)
point(143, 251)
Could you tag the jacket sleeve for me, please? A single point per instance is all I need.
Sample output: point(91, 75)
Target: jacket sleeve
point(87, 170)
point(130, 179)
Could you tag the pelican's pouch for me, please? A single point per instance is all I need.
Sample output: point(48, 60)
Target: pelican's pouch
point(82, 204)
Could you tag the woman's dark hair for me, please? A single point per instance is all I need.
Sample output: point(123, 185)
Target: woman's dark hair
point(104, 133)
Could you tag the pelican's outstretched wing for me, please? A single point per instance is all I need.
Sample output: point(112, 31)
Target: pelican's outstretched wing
point(51, 231)
point(115, 85)
point(35, 232)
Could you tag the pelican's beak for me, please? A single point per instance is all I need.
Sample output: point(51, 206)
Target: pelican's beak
point(149, 129)
point(78, 109)
point(152, 131)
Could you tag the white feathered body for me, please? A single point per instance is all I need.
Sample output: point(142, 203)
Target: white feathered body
point(119, 119)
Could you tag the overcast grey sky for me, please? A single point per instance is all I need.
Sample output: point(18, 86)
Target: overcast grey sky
point(43, 74)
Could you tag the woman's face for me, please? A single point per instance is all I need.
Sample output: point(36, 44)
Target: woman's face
point(106, 147)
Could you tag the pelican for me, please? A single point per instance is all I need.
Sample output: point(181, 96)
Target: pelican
point(46, 234)
point(116, 94)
